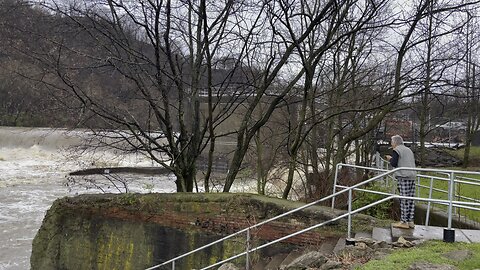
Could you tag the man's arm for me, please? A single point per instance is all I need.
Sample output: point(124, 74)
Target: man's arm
point(394, 159)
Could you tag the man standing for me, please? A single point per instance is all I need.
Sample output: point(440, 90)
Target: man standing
point(402, 156)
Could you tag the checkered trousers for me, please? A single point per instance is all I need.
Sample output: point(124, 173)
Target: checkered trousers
point(406, 187)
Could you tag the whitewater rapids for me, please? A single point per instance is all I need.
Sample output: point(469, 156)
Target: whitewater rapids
point(34, 163)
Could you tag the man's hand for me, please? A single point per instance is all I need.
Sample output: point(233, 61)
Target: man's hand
point(388, 157)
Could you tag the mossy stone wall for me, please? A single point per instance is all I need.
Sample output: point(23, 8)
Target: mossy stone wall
point(136, 231)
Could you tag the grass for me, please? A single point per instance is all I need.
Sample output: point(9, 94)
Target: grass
point(465, 190)
point(474, 153)
point(431, 252)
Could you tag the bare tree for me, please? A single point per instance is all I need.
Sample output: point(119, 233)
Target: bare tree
point(293, 31)
point(472, 94)
point(172, 79)
point(162, 58)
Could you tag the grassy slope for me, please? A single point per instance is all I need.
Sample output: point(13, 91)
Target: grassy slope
point(431, 252)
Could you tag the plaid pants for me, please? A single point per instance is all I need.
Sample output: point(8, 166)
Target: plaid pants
point(406, 187)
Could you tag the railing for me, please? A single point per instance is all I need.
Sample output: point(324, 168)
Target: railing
point(382, 175)
point(383, 165)
point(457, 181)
point(452, 178)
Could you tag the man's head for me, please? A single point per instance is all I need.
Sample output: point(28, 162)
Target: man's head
point(396, 141)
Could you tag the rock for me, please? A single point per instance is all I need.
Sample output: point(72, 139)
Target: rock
point(331, 265)
point(310, 259)
point(401, 242)
point(367, 241)
point(431, 266)
point(228, 266)
point(380, 244)
point(458, 255)
point(357, 252)
point(361, 245)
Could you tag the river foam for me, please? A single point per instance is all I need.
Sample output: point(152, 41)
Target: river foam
point(34, 164)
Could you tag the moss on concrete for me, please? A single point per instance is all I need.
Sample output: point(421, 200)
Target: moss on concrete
point(136, 231)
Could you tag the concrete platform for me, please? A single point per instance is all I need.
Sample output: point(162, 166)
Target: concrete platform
point(435, 233)
point(382, 234)
point(472, 235)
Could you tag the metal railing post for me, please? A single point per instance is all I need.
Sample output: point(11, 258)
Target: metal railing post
point(430, 192)
point(449, 233)
point(418, 185)
point(349, 233)
point(388, 179)
point(450, 199)
point(337, 167)
point(247, 259)
point(457, 195)
point(173, 265)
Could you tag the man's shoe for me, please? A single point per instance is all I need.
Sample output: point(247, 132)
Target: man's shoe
point(401, 225)
point(411, 225)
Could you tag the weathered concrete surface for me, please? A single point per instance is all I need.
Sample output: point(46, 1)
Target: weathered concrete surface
point(136, 231)
point(434, 233)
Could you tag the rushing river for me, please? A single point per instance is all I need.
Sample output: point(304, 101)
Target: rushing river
point(33, 168)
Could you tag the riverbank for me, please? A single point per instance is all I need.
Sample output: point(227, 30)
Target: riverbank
point(136, 231)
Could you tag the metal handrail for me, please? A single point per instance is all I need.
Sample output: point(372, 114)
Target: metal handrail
point(450, 202)
point(246, 229)
point(459, 196)
point(270, 220)
point(477, 202)
point(457, 181)
point(348, 214)
point(449, 173)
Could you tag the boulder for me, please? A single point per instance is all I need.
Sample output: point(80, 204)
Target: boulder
point(310, 259)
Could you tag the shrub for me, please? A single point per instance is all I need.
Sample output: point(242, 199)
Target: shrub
point(382, 210)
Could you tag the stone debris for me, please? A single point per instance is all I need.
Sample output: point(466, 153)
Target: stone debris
point(310, 259)
point(402, 242)
point(363, 250)
point(331, 265)
point(380, 244)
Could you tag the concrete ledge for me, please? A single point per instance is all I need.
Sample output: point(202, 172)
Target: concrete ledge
point(434, 233)
point(440, 218)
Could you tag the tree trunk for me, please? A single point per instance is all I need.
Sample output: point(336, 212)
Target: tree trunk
point(425, 109)
point(186, 180)
point(291, 171)
point(261, 178)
